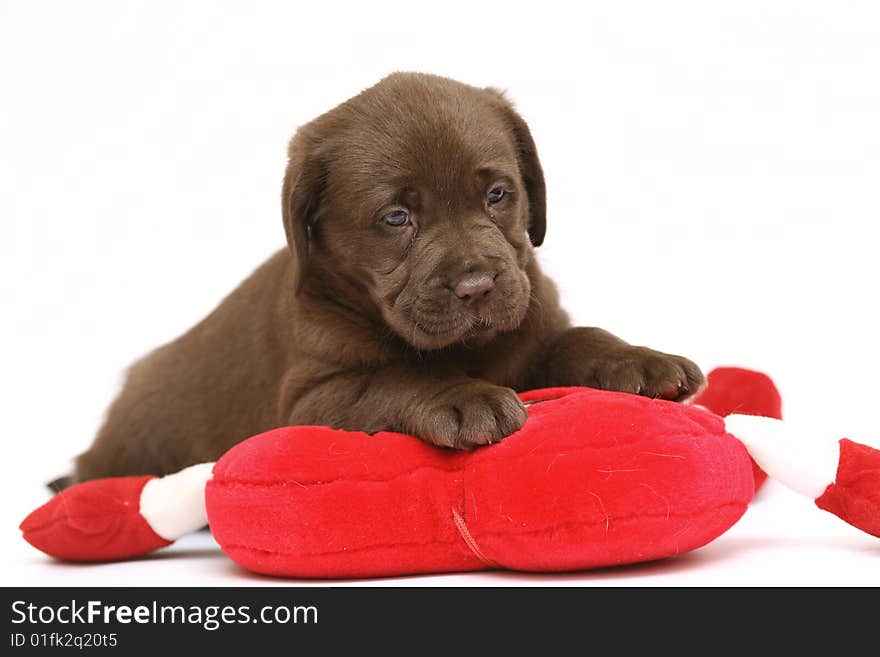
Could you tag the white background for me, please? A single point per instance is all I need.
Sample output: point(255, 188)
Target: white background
point(712, 173)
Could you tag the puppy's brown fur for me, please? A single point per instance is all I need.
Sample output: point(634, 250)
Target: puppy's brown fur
point(409, 298)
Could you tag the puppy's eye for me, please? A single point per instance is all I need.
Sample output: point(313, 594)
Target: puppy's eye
point(397, 218)
point(495, 194)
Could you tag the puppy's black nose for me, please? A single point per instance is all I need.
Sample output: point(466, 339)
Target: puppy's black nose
point(473, 288)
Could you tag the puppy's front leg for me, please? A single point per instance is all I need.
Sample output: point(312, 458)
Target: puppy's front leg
point(446, 408)
point(597, 359)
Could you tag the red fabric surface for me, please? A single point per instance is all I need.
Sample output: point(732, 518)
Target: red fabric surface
point(97, 520)
point(747, 392)
point(593, 479)
point(855, 494)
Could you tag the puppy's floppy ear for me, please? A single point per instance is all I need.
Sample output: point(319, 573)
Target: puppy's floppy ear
point(301, 195)
point(529, 166)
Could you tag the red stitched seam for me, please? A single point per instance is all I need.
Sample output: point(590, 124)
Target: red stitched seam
point(241, 546)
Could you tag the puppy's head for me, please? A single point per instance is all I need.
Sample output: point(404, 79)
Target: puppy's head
point(421, 197)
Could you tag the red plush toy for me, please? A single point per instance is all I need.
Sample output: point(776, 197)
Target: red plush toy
point(592, 479)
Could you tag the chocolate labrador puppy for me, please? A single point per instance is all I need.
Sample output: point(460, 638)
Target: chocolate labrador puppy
point(409, 298)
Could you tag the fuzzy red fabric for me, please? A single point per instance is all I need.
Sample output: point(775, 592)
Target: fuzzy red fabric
point(97, 520)
point(855, 494)
point(593, 479)
point(747, 392)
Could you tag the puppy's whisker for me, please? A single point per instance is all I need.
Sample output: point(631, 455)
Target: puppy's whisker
point(415, 327)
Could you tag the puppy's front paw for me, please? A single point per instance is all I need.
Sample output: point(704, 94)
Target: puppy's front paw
point(473, 414)
point(643, 371)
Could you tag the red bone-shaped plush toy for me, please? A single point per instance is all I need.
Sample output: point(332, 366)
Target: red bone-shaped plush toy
point(592, 479)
